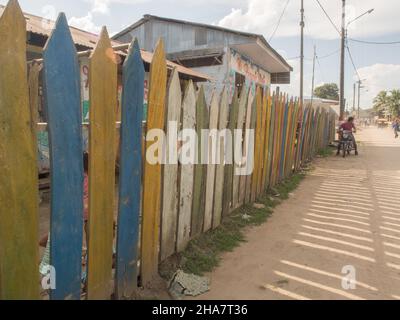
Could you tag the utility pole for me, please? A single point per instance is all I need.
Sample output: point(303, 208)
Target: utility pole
point(302, 54)
point(354, 97)
point(313, 74)
point(358, 108)
point(343, 34)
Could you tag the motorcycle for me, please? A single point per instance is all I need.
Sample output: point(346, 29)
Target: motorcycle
point(346, 142)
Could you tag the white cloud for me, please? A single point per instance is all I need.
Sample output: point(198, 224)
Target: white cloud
point(85, 23)
point(261, 16)
point(101, 7)
point(378, 77)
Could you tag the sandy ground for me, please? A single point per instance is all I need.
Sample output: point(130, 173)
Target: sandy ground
point(345, 214)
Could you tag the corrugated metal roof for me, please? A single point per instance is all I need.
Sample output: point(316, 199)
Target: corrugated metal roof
point(41, 26)
point(148, 17)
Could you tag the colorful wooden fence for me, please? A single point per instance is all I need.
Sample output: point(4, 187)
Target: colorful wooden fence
point(164, 205)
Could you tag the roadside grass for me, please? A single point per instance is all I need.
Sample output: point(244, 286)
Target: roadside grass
point(325, 152)
point(203, 253)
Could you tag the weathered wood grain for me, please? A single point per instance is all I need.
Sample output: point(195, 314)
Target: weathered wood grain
point(262, 142)
point(267, 102)
point(253, 118)
point(19, 274)
point(61, 74)
point(271, 141)
point(102, 116)
point(130, 174)
point(169, 218)
point(152, 172)
point(229, 166)
point(200, 169)
point(240, 126)
point(188, 158)
point(257, 151)
point(219, 174)
point(212, 152)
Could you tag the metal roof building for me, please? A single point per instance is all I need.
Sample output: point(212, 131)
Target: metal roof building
point(232, 58)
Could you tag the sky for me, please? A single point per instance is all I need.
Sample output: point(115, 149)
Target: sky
point(377, 65)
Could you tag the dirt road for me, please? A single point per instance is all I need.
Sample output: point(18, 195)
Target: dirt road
point(345, 214)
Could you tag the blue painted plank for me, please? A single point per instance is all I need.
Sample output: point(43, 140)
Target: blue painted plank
point(62, 89)
point(130, 173)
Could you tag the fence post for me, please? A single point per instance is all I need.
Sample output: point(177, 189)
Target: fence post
point(169, 218)
point(200, 169)
point(19, 274)
point(102, 115)
point(61, 78)
point(152, 172)
point(221, 147)
point(130, 174)
point(212, 154)
point(187, 171)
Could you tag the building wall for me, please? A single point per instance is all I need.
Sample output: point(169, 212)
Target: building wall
point(224, 74)
point(181, 37)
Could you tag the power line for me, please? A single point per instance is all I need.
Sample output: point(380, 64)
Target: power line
point(279, 21)
point(320, 57)
point(352, 62)
point(374, 42)
point(329, 54)
point(329, 18)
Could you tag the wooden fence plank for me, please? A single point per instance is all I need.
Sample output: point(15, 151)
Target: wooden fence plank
point(130, 174)
point(212, 152)
point(219, 175)
point(257, 151)
point(271, 141)
point(262, 143)
point(267, 103)
point(240, 126)
point(171, 184)
point(61, 74)
point(250, 125)
point(187, 168)
point(228, 170)
point(284, 139)
point(102, 116)
point(200, 169)
point(19, 274)
point(152, 172)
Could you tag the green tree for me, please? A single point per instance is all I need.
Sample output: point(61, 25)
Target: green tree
point(394, 103)
point(381, 103)
point(327, 91)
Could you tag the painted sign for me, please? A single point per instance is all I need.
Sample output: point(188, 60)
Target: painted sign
point(253, 74)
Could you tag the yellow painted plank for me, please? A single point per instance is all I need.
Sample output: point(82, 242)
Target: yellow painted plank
point(152, 172)
point(263, 151)
point(254, 183)
point(19, 260)
point(103, 103)
point(267, 102)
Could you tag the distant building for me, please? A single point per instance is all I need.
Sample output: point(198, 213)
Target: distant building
point(231, 58)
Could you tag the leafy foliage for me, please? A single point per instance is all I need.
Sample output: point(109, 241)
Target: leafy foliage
point(327, 91)
point(387, 103)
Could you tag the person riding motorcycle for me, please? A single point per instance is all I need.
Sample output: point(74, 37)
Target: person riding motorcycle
point(347, 126)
